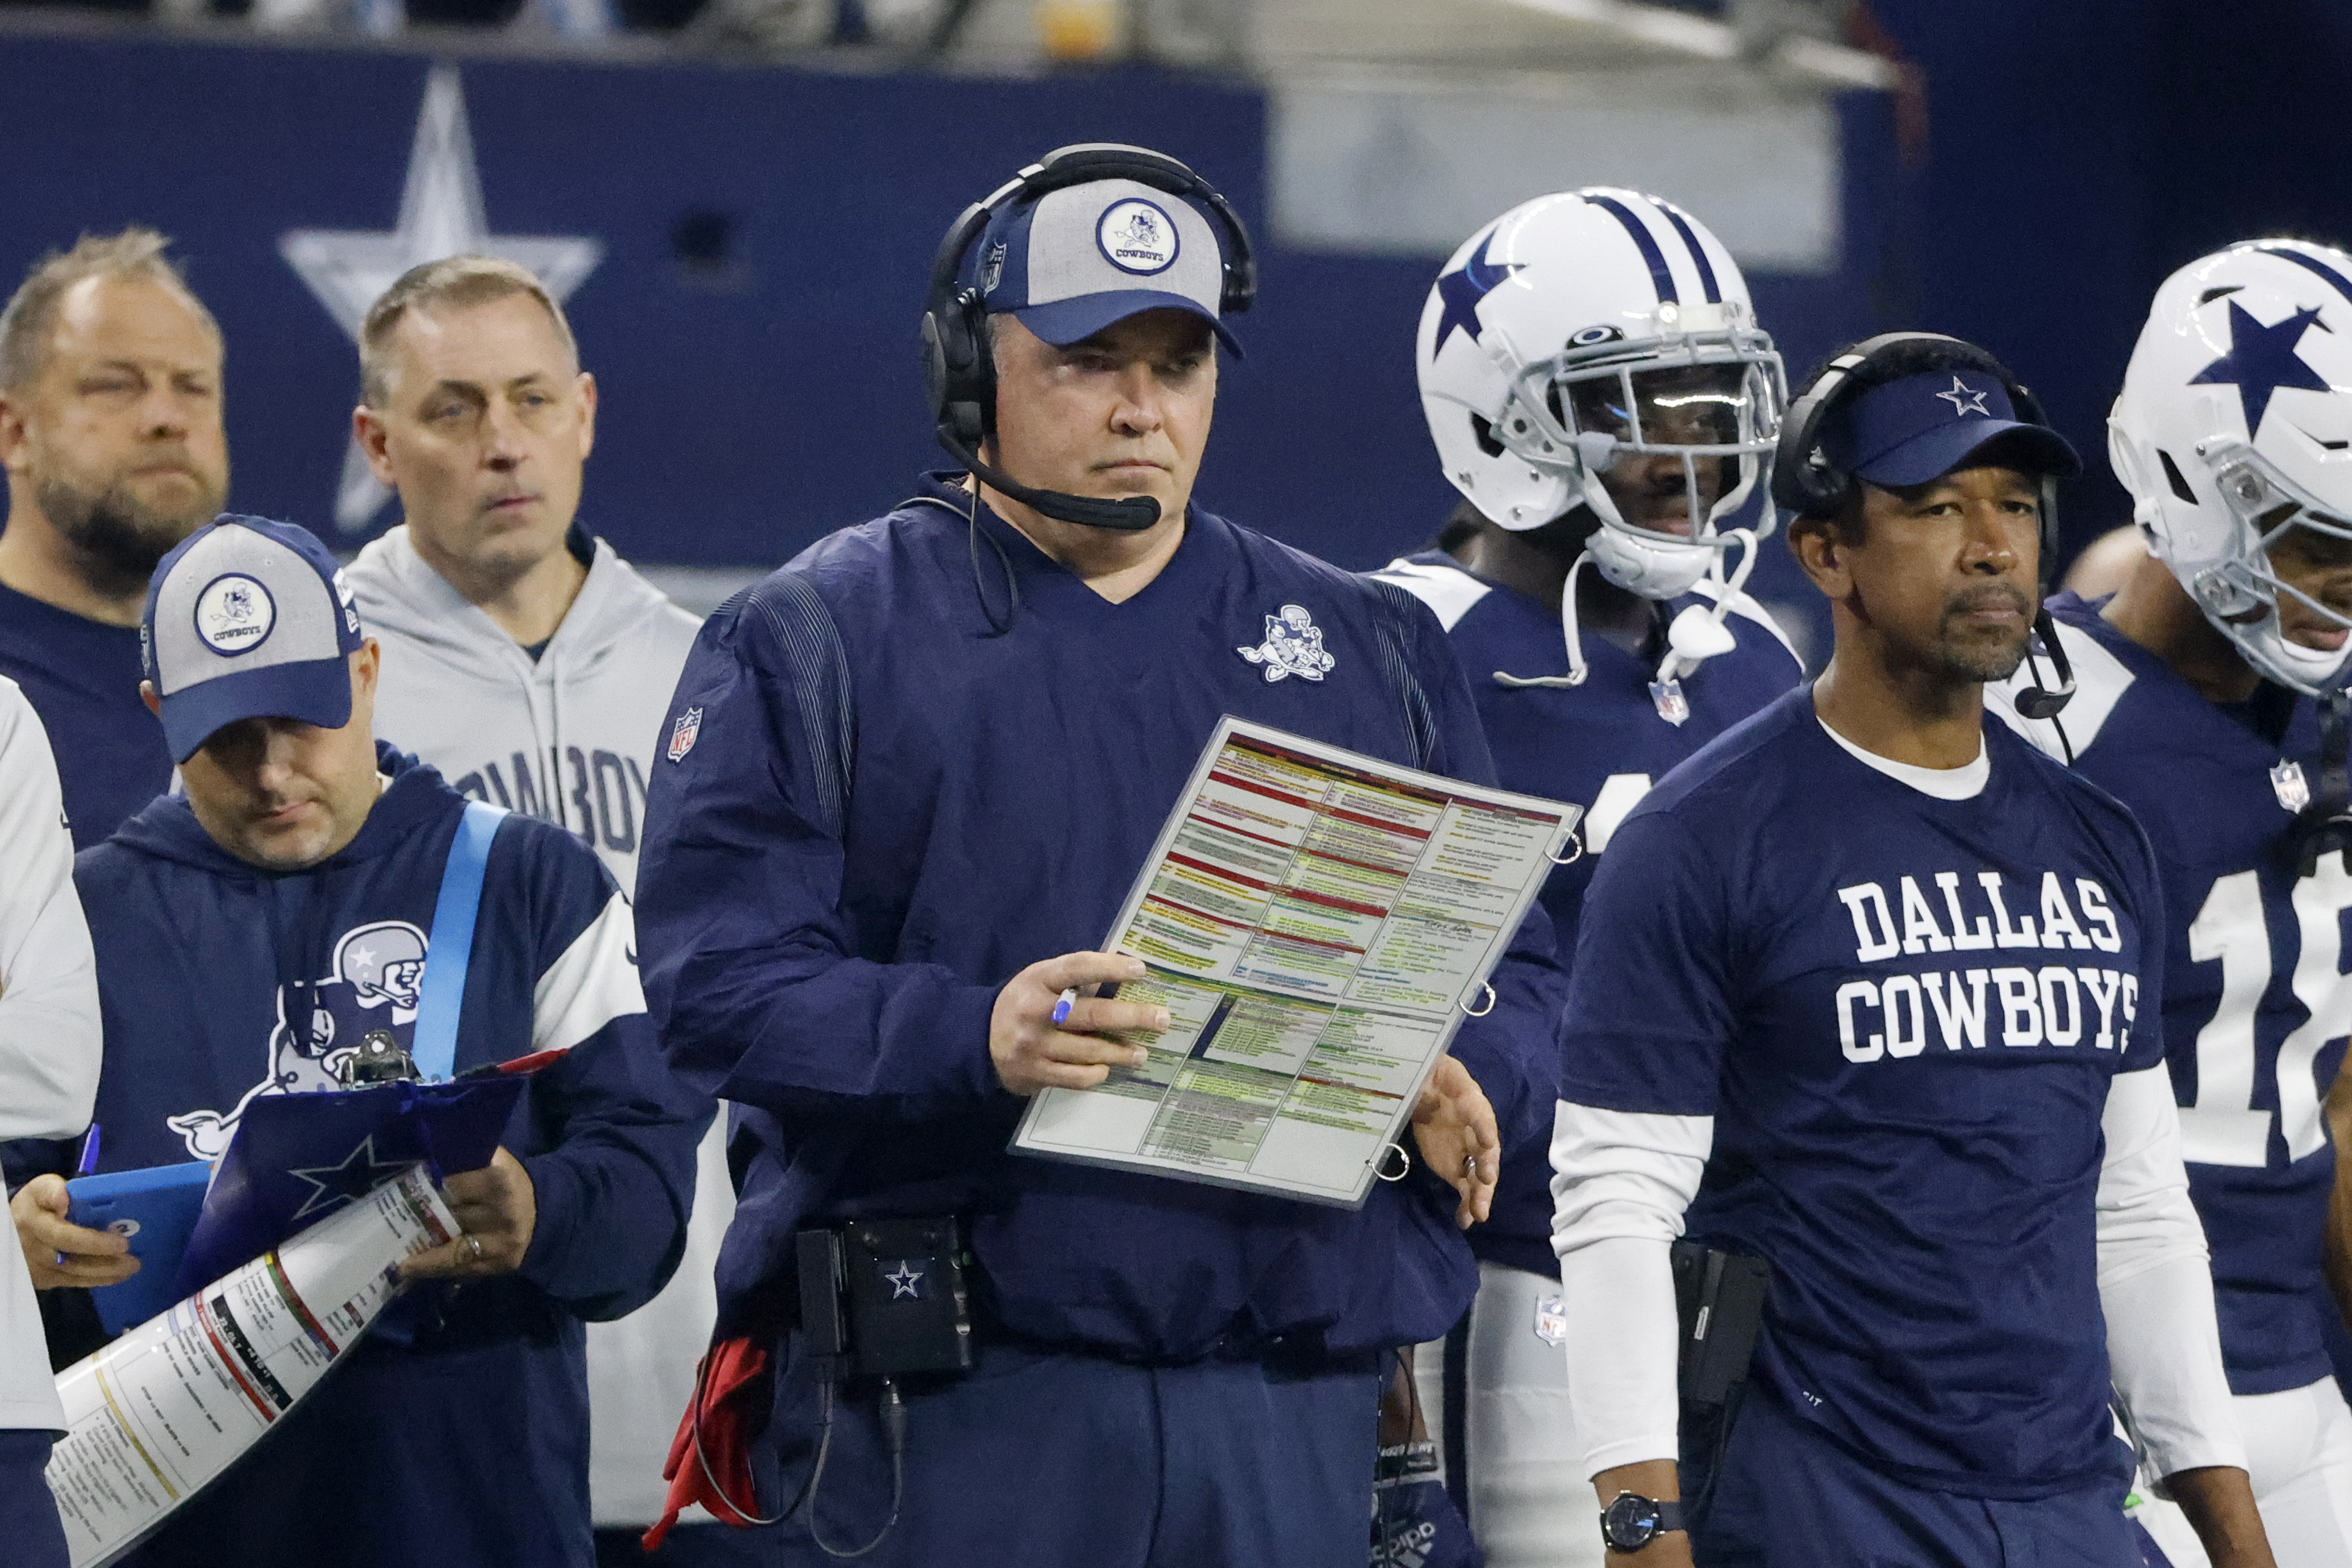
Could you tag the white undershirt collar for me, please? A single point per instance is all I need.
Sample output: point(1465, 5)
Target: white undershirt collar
point(1964, 782)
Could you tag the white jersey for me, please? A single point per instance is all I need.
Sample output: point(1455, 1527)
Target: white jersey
point(49, 1034)
point(570, 737)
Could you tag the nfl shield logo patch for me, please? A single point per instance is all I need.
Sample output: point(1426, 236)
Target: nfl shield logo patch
point(681, 735)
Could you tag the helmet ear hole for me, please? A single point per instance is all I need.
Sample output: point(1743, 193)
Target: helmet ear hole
point(2173, 477)
point(1484, 433)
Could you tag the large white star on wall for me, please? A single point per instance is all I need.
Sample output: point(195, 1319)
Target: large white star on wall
point(441, 213)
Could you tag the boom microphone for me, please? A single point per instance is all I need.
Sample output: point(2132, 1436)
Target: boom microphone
point(1132, 515)
point(2039, 701)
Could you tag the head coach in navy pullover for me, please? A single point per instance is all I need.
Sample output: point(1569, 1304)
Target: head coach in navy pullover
point(248, 935)
point(908, 780)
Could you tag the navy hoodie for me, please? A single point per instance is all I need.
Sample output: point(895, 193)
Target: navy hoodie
point(872, 811)
point(457, 1432)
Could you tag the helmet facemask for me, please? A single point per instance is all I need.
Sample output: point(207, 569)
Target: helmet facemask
point(1708, 403)
point(2246, 597)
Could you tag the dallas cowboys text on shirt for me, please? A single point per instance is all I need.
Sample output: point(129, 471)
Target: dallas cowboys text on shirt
point(2021, 1004)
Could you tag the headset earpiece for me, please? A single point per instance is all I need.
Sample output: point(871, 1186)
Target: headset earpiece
point(936, 373)
point(959, 372)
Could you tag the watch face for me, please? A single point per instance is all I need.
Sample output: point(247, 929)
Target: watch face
point(1630, 1522)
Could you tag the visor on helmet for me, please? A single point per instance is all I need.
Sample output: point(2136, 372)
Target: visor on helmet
point(1670, 434)
point(1664, 423)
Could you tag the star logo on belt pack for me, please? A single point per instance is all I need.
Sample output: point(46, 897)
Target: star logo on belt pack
point(906, 1280)
point(1293, 646)
point(682, 734)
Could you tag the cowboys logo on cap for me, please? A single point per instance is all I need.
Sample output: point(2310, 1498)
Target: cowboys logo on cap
point(247, 618)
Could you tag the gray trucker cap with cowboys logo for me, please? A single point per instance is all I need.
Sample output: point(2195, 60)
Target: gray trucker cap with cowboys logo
point(1074, 260)
point(248, 619)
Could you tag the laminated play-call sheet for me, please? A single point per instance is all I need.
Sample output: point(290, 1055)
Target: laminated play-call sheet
point(1317, 923)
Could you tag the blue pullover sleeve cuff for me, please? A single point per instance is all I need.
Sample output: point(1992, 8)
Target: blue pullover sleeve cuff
point(557, 1195)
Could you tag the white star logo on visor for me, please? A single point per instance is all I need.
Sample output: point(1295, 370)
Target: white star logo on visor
point(1963, 400)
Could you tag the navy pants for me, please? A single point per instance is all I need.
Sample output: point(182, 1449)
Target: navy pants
point(1789, 1498)
point(1069, 1461)
point(28, 1515)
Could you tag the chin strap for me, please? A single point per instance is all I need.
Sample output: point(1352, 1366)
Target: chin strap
point(2324, 827)
point(1698, 633)
point(1577, 669)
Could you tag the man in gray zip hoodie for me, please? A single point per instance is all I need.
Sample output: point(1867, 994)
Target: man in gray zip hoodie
point(528, 663)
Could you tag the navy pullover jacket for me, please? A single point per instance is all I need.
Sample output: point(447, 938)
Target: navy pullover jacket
point(872, 811)
point(457, 1431)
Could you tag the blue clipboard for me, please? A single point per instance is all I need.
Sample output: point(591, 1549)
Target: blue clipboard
point(297, 1158)
point(156, 1208)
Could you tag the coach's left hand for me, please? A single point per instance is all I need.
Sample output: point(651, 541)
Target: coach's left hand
point(1453, 1125)
point(496, 1210)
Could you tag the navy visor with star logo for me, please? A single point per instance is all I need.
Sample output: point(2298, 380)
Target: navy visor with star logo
point(1920, 427)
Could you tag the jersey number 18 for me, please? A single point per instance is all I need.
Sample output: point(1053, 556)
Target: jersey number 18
point(2222, 1128)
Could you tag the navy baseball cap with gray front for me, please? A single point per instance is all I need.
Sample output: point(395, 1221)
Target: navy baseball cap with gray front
point(1074, 260)
point(1924, 426)
point(248, 619)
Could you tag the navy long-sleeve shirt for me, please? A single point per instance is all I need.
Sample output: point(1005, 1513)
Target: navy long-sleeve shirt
point(873, 811)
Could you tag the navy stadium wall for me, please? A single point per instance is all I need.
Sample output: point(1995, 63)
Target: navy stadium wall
point(766, 234)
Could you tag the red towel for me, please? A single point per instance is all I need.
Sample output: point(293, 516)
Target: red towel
point(710, 1458)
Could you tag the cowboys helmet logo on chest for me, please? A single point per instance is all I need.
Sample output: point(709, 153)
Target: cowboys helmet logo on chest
point(1293, 646)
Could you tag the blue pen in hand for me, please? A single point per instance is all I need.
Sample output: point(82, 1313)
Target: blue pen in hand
point(84, 1167)
point(1062, 1006)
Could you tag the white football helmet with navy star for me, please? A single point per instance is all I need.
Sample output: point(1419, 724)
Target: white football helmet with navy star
point(2234, 428)
point(1563, 337)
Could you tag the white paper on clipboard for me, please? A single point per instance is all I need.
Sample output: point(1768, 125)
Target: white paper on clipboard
point(1317, 923)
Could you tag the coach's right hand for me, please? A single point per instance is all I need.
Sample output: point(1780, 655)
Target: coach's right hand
point(1030, 1053)
point(90, 1258)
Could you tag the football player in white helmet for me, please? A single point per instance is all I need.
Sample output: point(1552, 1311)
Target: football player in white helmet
point(1600, 393)
point(2211, 699)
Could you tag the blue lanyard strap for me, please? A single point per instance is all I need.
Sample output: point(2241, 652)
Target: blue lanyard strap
point(441, 994)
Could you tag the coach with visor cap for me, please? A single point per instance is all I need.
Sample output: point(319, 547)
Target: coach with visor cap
point(1910, 1057)
point(909, 780)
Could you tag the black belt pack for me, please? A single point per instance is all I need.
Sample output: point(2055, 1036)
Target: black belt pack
point(885, 1297)
point(1720, 1301)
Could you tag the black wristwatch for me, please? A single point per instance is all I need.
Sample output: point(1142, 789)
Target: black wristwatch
point(1631, 1521)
